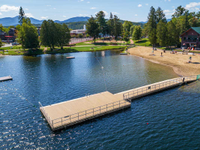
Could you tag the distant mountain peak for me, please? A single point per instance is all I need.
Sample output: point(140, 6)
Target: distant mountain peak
point(8, 21)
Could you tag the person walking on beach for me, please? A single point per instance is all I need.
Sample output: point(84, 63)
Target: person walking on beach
point(161, 54)
point(190, 59)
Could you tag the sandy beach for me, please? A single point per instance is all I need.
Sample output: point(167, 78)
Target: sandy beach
point(178, 62)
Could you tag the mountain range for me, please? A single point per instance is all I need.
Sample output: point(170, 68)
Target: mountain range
point(8, 21)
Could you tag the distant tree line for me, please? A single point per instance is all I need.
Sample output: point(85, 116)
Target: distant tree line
point(99, 26)
point(52, 34)
point(163, 33)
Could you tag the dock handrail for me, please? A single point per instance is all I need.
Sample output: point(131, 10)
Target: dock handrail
point(89, 113)
point(157, 86)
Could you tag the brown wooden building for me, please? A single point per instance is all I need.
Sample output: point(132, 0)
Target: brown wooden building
point(191, 38)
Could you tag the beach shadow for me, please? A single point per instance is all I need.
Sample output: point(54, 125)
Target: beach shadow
point(195, 62)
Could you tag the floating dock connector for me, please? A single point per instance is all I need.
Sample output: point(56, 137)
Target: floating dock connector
point(5, 78)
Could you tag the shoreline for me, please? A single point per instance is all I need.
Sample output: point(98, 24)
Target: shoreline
point(177, 62)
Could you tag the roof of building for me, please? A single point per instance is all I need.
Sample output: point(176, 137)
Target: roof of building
point(197, 29)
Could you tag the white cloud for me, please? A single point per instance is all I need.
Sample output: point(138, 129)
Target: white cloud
point(0, 14)
point(140, 5)
point(93, 8)
point(115, 13)
point(54, 8)
point(193, 6)
point(147, 4)
point(6, 8)
point(64, 16)
point(88, 2)
point(26, 9)
point(48, 5)
point(169, 12)
point(29, 15)
point(44, 18)
point(167, 0)
point(136, 15)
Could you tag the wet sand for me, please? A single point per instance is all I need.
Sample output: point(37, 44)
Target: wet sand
point(178, 62)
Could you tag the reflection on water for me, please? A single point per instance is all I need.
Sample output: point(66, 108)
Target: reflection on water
point(173, 115)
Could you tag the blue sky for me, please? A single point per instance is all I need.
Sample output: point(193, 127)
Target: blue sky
point(133, 10)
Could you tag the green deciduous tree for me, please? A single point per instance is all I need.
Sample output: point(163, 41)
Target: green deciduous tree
point(28, 35)
point(63, 35)
point(48, 34)
point(132, 29)
point(127, 26)
point(1, 44)
point(137, 33)
point(21, 15)
point(92, 28)
point(161, 33)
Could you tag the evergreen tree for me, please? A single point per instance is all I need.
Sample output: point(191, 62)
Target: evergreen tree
point(117, 27)
point(21, 15)
point(161, 33)
point(100, 17)
point(180, 11)
point(92, 28)
point(152, 26)
point(160, 15)
point(171, 34)
point(111, 25)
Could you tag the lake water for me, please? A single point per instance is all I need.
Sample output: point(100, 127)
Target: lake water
point(167, 120)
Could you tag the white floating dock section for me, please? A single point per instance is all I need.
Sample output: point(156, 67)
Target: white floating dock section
point(5, 78)
point(79, 110)
point(75, 111)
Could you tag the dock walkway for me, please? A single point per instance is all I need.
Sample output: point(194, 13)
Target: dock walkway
point(75, 111)
point(5, 78)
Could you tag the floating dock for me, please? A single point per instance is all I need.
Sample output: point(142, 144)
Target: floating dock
point(5, 78)
point(75, 111)
point(70, 57)
point(79, 110)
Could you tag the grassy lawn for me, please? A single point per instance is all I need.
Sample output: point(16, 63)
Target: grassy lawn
point(84, 49)
point(80, 47)
point(142, 42)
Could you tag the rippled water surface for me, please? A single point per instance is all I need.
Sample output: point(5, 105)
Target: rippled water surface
point(167, 120)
